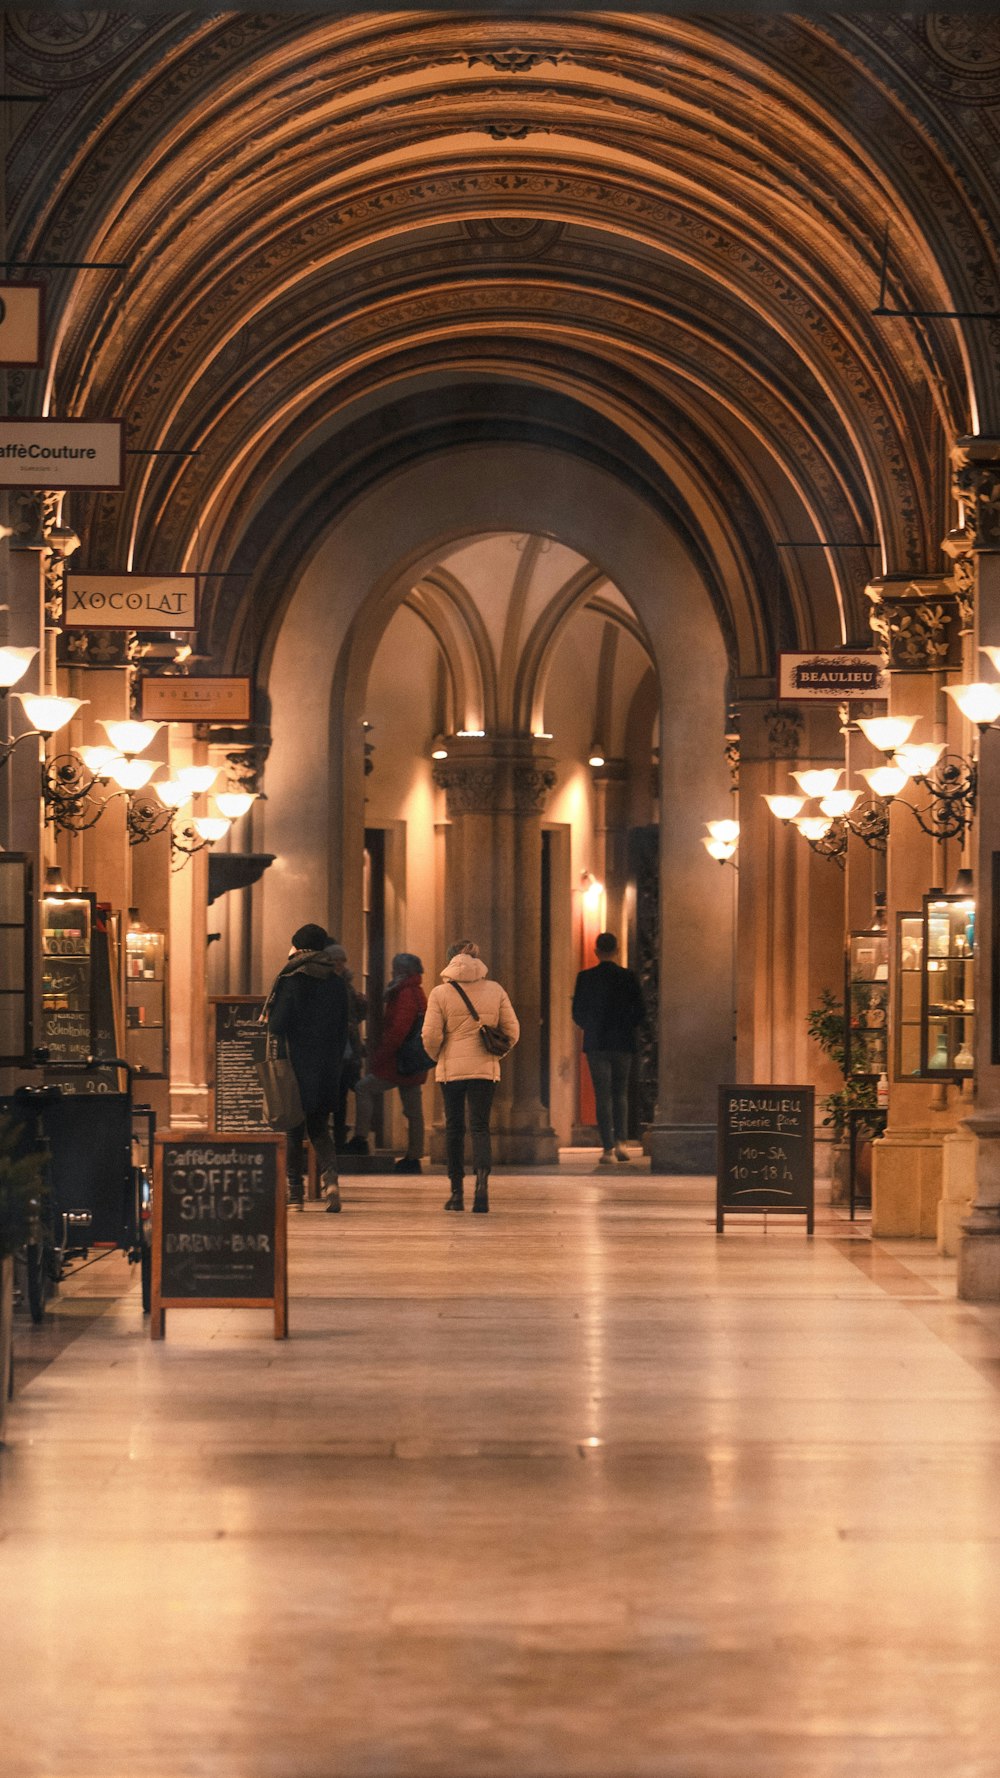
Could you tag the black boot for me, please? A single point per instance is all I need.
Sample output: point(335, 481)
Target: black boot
point(296, 1195)
point(481, 1201)
point(457, 1199)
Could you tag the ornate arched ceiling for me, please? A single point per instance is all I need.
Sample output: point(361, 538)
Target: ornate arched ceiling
point(658, 237)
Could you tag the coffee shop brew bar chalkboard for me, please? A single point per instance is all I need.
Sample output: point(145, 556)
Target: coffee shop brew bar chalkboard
point(765, 1162)
point(219, 1225)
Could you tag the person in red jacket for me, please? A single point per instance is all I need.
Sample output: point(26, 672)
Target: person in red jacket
point(399, 1061)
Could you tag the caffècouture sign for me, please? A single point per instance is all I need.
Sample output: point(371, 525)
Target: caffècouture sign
point(830, 678)
point(131, 601)
point(60, 453)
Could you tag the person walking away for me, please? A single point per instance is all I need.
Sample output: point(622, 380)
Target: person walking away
point(463, 1001)
point(352, 1070)
point(404, 1005)
point(609, 1008)
point(308, 1008)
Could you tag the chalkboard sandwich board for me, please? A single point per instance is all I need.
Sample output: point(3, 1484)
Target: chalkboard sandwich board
point(765, 1153)
point(238, 1045)
point(219, 1225)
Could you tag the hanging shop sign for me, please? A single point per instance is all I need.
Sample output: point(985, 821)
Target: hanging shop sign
point(131, 601)
point(20, 324)
point(173, 699)
point(765, 1153)
point(219, 1226)
point(830, 678)
point(61, 453)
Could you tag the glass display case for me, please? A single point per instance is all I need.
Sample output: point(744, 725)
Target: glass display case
point(145, 999)
point(948, 995)
point(67, 975)
point(15, 958)
point(866, 1002)
point(909, 995)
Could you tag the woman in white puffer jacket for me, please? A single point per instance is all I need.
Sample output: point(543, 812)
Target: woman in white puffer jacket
point(465, 1070)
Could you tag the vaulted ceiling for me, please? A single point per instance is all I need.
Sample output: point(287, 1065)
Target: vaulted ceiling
point(656, 242)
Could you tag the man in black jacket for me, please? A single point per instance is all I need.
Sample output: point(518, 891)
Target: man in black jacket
point(308, 1007)
point(609, 1008)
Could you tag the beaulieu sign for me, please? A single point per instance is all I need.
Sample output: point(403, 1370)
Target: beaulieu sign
point(60, 453)
point(131, 601)
point(833, 677)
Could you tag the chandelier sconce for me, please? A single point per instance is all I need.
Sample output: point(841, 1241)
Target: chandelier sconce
point(70, 780)
point(722, 840)
point(204, 830)
point(47, 715)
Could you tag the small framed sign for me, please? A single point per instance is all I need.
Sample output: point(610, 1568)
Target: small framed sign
point(130, 601)
point(44, 453)
point(831, 678)
point(22, 323)
point(170, 698)
point(219, 1225)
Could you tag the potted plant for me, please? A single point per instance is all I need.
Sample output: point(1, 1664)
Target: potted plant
point(825, 1025)
point(21, 1186)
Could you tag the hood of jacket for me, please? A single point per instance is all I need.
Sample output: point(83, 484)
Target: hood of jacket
point(464, 968)
point(317, 964)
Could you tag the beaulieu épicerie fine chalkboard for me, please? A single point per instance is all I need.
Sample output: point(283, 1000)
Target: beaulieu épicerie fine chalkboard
point(765, 1153)
point(219, 1225)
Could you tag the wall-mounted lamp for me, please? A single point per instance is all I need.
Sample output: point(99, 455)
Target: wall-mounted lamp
point(591, 887)
point(722, 840)
point(14, 663)
point(439, 747)
point(596, 754)
point(46, 715)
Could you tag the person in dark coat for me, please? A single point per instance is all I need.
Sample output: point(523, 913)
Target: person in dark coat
point(403, 1011)
point(308, 1008)
point(609, 1008)
point(352, 1070)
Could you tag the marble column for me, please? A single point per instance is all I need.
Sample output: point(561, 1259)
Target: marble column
point(977, 464)
point(496, 788)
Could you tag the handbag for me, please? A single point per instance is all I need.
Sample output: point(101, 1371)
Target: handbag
point(411, 1057)
point(495, 1042)
point(282, 1099)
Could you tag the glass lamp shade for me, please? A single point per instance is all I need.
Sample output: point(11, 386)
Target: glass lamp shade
point(595, 757)
point(211, 827)
point(785, 807)
point(814, 827)
point(197, 778)
point(993, 654)
point(887, 733)
point(172, 793)
point(918, 757)
point(719, 848)
point(130, 737)
point(132, 774)
point(818, 783)
point(886, 780)
point(724, 830)
point(839, 802)
point(980, 701)
point(48, 715)
point(98, 759)
point(234, 803)
point(14, 663)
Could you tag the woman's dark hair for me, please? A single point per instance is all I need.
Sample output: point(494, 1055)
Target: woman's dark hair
point(466, 946)
point(310, 938)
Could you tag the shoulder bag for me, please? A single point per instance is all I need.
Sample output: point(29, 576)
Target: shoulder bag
point(282, 1099)
point(411, 1057)
point(495, 1042)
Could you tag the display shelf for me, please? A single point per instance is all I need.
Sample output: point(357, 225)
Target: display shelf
point(909, 979)
point(145, 1000)
point(947, 1004)
point(866, 1003)
point(67, 975)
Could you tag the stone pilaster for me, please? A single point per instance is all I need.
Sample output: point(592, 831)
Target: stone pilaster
point(496, 789)
point(977, 476)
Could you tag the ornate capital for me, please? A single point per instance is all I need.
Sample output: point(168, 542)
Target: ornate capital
point(784, 731)
point(531, 788)
point(976, 463)
point(503, 778)
point(917, 621)
point(470, 786)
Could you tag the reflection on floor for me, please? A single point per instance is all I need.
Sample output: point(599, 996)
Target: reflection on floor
point(578, 1490)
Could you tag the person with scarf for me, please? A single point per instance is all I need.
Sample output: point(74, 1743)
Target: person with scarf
point(308, 1009)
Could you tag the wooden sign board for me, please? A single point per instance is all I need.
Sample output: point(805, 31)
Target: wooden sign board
point(765, 1153)
point(21, 324)
point(238, 1045)
point(130, 601)
point(41, 453)
point(832, 678)
point(219, 1225)
point(170, 698)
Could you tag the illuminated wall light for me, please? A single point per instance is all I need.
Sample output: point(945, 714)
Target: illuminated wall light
point(49, 714)
point(887, 733)
point(234, 803)
point(818, 783)
point(132, 774)
point(173, 793)
point(724, 830)
point(722, 850)
point(886, 780)
point(130, 737)
point(98, 759)
point(979, 702)
point(211, 827)
point(197, 778)
point(14, 663)
point(785, 807)
point(839, 803)
point(814, 827)
point(918, 758)
point(471, 734)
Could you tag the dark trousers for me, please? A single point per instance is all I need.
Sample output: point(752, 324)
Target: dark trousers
point(479, 1094)
point(317, 1127)
point(609, 1071)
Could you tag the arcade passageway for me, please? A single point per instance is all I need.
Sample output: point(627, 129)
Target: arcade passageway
point(578, 1492)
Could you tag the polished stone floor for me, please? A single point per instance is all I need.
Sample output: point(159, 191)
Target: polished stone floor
point(578, 1490)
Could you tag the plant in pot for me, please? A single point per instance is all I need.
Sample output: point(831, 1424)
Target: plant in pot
point(825, 1025)
point(21, 1188)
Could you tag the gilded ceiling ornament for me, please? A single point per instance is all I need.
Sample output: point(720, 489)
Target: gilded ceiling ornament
point(968, 41)
point(515, 60)
point(920, 633)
